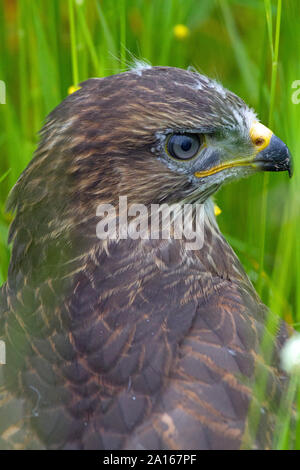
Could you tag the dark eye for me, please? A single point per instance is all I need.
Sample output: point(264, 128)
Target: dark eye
point(183, 146)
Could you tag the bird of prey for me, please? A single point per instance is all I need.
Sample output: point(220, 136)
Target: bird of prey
point(131, 343)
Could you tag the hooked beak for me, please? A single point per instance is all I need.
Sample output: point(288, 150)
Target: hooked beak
point(270, 154)
point(274, 157)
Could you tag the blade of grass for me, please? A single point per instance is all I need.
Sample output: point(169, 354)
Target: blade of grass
point(168, 33)
point(73, 44)
point(123, 34)
point(48, 75)
point(2, 177)
point(272, 321)
point(108, 38)
point(268, 9)
point(247, 69)
point(264, 202)
point(88, 38)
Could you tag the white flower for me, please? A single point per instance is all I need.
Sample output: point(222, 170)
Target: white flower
point(290, 355)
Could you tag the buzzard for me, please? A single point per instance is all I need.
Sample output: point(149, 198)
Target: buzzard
point(135, 343)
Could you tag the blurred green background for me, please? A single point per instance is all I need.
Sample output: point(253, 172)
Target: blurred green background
point(252, 47)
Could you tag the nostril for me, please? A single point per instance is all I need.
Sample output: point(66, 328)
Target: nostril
point(260, 135)
point(259, 141)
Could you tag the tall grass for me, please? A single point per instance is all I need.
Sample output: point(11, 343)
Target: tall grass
point(253, 47)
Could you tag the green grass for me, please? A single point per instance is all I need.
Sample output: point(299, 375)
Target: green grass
point(253, 47)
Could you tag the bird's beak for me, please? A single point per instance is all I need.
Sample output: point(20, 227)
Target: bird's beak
point(269, 154)
point(272, 154)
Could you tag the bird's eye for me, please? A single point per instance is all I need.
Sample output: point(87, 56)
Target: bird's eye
point(183, 146)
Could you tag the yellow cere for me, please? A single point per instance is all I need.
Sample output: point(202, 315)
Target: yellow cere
point(260, 135)
point(181, 31)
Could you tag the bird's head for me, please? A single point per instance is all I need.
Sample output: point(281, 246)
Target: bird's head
point(155, 134)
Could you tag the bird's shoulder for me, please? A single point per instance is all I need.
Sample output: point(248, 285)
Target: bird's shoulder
point(180, 345)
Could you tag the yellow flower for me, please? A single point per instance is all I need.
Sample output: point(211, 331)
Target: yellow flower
point(181, 31)
point(72, 89)
point(217, 210)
